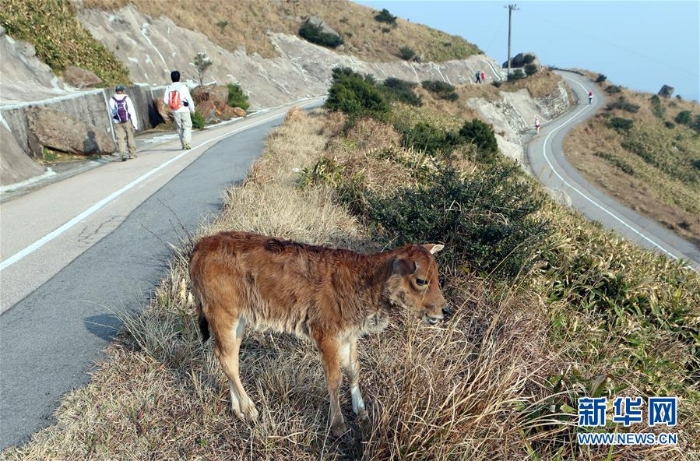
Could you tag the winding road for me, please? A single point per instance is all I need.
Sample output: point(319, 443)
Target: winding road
point(76, 251)
point(547, 161)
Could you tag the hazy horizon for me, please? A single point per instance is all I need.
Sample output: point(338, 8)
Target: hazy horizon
point(639, 45)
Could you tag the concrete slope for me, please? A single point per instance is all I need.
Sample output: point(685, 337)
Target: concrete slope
point(547, 160)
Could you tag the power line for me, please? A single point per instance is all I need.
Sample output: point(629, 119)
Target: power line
point(569, 29)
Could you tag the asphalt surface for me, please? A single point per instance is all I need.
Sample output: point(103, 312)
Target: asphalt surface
point(548, 163)
point(105, 261)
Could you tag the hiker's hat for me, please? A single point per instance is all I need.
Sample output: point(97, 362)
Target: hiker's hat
point(119, 87)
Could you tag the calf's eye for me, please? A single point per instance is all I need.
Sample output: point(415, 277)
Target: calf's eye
point(421, 282)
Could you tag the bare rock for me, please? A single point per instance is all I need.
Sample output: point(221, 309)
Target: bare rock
point(238, 112)
point(318, 22)
point(216, 94)
point(208, 110)
point(59, 131)
point(522, 59)
point(15, 165)
point(80, 78)
point(163, 111)
point(666, 91)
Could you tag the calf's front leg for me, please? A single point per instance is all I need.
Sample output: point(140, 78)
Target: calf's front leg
point(330, 358)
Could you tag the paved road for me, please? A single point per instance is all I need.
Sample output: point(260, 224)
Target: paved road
point(76, 251)
point(547, 161)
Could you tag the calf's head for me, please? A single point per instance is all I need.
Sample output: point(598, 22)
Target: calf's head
point(414, 282)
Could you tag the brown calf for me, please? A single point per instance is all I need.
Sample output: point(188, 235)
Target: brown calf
point(332, 296)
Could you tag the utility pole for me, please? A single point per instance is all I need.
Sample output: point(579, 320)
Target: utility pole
point(510, 11)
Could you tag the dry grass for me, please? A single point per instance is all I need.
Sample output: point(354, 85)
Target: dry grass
point(248, 21)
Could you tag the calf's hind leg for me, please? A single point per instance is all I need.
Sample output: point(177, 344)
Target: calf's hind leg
point(330, 358)
point(227, 345)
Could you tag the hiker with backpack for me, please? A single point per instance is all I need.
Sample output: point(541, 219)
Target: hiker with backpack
point(177, 97)
point(125, 122)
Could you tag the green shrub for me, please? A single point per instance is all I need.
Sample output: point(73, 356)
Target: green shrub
point(656, 108)
point(616, 162)
point(59, 38)
point(315, 34)
point(622, 104)
point(517, 74)
point(683, 118)
point(528, 59)
point(357, 96)
point(530, 69)
point(482, 135)
point(612, 89)
point(620, 124)
point(197, 121)
point(497, 83)
point(490, 227)
point(406, 53)
point(386, 17)
point(601, 78)
point(442, 90)
point(426, 137)
point(236, 97)
point(401, 90)
point(669, 124)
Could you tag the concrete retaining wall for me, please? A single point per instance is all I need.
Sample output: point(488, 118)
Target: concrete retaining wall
point(91, 107)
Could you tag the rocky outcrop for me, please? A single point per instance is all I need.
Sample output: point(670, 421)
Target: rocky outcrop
point(218, 95)
point(318, 22)
point(80, 78)
point(24, 76)
point(59, 131)
point(666, 91)
point(15, 166)
point(522, 59)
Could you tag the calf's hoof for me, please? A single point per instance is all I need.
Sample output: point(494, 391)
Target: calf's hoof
point(338, 429)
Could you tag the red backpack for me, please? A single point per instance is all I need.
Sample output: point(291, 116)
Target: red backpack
point(175, 100)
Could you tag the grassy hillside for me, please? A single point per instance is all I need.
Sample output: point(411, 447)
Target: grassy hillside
point(549, 309)
point(644, 151)
point(246, 22)
point(59, 39)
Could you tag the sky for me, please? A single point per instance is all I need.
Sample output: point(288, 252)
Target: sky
point(641, 45)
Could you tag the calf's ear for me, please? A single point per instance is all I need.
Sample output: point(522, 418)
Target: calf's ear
point(403, 266)
point(434, 248)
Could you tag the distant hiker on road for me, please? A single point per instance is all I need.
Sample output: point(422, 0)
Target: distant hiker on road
point(125, 122)
point(483, 77)
point(178, 98)
point(537, 125)
point(478, 76)
point(590, 97)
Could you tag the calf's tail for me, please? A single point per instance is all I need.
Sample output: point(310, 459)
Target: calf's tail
point(203, 323)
